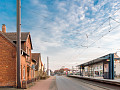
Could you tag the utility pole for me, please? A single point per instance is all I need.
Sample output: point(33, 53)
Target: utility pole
point(48, 70)
point(18, 43)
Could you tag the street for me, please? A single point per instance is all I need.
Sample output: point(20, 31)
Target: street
point(65, 83)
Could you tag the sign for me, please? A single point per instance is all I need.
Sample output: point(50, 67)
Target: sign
point(106, 68)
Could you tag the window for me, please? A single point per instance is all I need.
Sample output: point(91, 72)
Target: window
point(97, 67)
point(29, 51)
point(31, 73)
point(26, 57)
point(21, 71)
point(24, 73)
point(114, 66)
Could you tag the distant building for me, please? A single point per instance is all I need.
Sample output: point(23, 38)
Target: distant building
point(38, 67)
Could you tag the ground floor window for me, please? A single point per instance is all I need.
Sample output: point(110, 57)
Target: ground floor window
point(24, 73)
point(31, 73)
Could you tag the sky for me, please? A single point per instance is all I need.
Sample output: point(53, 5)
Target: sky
point(69, 32)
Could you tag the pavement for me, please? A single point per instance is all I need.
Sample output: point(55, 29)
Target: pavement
point(48, 84)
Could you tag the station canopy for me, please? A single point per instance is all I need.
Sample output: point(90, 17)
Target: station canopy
point(100, 59)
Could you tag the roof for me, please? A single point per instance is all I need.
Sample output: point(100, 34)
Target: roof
point(100, 59)
point(116, 56)
point(13, 36)
point(7, 38)
point(66, 69)
point(36, 56)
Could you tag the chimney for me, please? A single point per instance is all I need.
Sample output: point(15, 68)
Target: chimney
point(3, 28)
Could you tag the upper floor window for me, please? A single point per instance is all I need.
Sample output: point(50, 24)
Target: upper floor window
point(29, 51)
point(24, 73)
point(27, 57)
point(31, 73)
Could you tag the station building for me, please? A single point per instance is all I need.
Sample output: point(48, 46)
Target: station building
point(106, 67)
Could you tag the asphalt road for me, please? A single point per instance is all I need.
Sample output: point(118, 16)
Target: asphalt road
point(64, 83)
point(67, 83)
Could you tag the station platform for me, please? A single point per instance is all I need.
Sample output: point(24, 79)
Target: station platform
point(98, 79)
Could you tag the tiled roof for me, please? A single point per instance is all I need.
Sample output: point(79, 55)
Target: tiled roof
point(7, 38)
point(13, 36)
point(36, 56)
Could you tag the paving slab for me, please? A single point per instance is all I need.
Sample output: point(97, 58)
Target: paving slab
point(43, 84)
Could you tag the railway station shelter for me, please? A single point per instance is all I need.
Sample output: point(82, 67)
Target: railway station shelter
point(100, 67)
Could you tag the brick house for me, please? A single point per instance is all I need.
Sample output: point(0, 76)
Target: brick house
point(8, 60)
point(43, 71)
point(37, 57)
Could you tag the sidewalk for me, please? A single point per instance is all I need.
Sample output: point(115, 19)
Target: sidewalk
point(48, 84)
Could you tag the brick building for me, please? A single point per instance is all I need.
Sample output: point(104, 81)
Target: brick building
point(38, 67)
point(8, 60)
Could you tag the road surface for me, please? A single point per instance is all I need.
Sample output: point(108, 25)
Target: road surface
point(67, 83)
point(64, 83)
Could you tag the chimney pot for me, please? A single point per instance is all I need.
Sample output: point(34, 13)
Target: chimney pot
point(3, 28)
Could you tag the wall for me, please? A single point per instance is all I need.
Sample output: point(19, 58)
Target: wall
point(7, 62)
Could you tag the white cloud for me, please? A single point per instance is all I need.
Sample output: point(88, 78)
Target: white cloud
point(66, 26)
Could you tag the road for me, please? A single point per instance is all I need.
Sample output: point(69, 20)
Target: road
point(67, 83)
point(64, 83)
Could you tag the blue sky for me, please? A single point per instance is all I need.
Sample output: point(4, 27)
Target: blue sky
point(59, 28)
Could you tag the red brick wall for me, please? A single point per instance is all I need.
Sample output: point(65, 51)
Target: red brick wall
point(23, 64)
point(23, 60)
point(28, 44)
point(7, 63)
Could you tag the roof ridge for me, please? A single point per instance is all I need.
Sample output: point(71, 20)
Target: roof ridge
point(16, 32)
point(35, 53)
